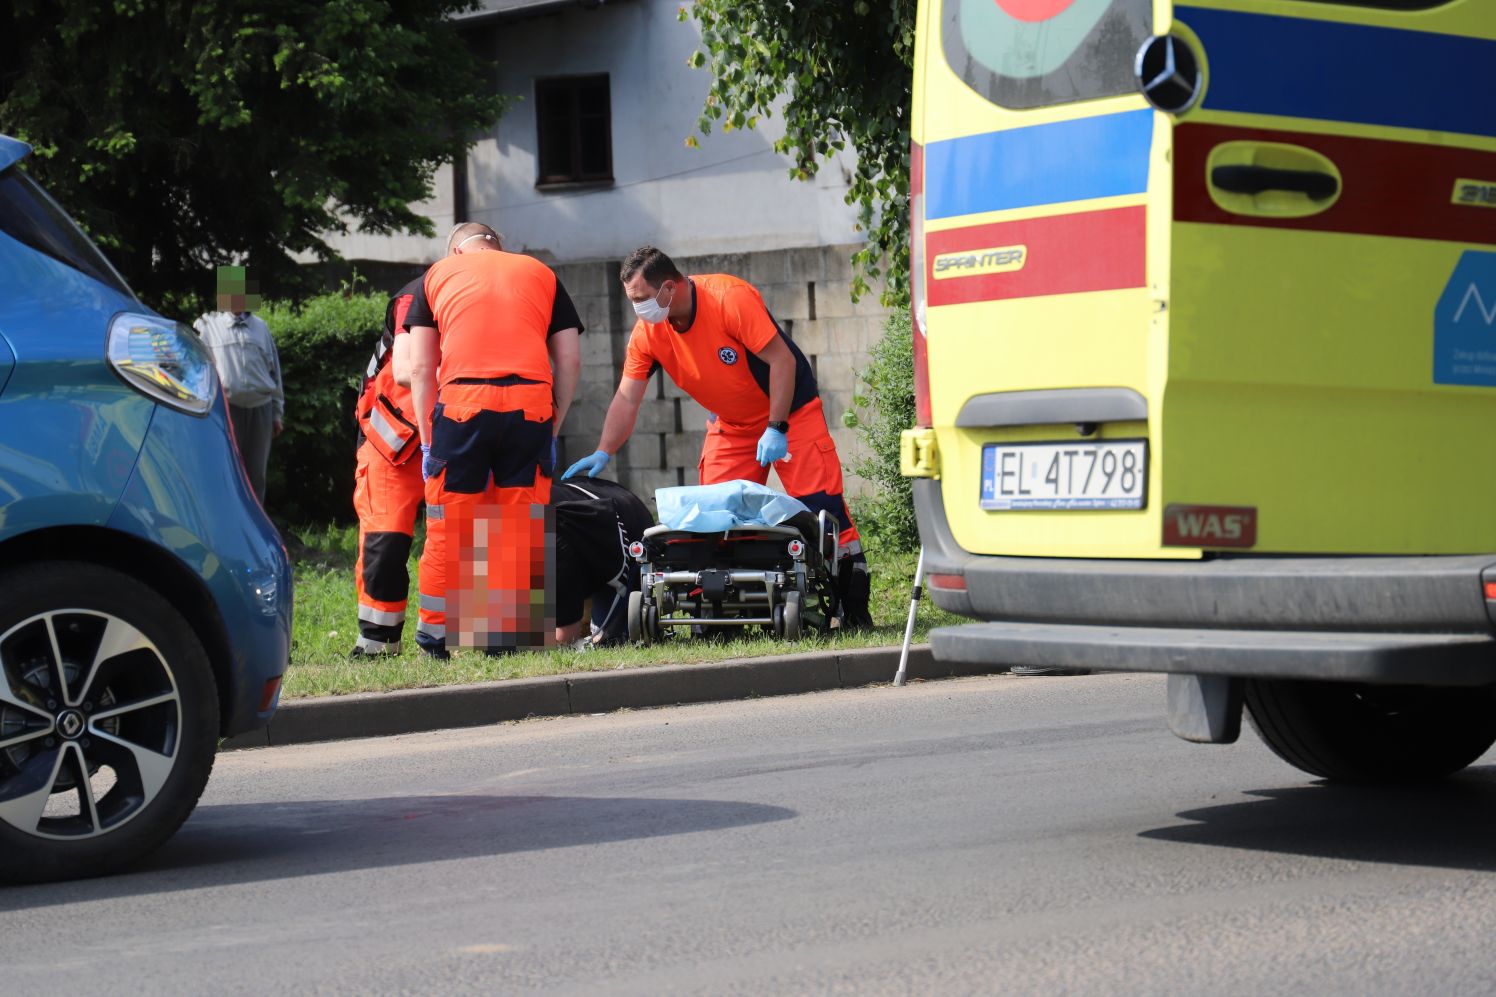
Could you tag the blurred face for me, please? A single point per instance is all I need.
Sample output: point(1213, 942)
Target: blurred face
point(237, 291)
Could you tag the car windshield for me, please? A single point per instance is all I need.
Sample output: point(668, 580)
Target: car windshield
point(32, 218)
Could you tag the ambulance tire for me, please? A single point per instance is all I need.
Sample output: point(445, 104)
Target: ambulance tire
point(636, 617)
point(1349, 732)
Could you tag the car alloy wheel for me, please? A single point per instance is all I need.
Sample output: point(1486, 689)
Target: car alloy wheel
point(90, 723)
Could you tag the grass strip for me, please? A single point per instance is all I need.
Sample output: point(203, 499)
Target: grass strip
point(327, 625)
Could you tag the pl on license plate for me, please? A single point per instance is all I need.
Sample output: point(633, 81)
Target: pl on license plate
point(1102, 475)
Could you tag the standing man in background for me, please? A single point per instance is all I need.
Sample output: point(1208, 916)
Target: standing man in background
point(494, 362)
point(387, 489)
point(715, 337)
point(249, 369)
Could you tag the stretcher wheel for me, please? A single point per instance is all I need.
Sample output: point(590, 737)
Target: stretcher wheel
point(636, 617)
point(652, 631)
point(792, 616)
point(778, 615)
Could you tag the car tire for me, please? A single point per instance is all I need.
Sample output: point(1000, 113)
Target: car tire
point(1349, 732)
point(137, 712)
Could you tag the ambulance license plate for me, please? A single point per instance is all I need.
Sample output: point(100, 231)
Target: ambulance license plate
point(1103, 475)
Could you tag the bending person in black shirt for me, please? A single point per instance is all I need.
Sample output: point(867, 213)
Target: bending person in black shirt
point(596, 520)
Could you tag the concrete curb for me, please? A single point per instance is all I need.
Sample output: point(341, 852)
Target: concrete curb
point(408, 711)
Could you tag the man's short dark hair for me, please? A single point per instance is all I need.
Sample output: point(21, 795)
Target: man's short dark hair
point(653, 263)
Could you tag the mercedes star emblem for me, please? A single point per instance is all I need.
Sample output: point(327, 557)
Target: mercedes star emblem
point(1168, 73)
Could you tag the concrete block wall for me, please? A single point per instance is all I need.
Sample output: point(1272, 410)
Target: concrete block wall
point(809, 293)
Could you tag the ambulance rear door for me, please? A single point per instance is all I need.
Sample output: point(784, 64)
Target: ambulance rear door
point(1331, 374)
point(1040, 191)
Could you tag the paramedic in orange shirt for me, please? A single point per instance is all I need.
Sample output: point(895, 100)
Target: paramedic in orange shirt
point(716, 340)
point(387, 490)
point(494, 361)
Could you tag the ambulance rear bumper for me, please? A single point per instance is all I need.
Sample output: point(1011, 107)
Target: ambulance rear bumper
point(1372, 619)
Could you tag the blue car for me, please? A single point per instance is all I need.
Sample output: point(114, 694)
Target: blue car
point(145, 598)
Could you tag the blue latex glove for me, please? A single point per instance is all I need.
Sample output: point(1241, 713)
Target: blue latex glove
point(592, 464)
point(426, 469)
point(553, 455)
point(772, 446)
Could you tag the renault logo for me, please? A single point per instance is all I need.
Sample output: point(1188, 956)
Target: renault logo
point(70, 724)
point(1168, 73)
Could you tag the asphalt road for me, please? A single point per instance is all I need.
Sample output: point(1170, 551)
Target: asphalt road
point(1014, 835)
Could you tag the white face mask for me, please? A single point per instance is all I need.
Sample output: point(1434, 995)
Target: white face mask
point(650, 309)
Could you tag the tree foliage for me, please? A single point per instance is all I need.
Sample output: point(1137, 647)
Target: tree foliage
point(842, 70)
point(187, 133)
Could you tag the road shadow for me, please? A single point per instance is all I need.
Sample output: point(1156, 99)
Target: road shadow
point(1449, 824)
point(246, 843)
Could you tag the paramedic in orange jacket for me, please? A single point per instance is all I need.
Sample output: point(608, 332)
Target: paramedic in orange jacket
point(387, 491)
point(715, 337)
point(486, 328)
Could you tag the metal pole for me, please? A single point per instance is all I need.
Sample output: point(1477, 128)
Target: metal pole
point(914, 594)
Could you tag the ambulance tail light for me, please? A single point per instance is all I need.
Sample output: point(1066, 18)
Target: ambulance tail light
point(917, 296)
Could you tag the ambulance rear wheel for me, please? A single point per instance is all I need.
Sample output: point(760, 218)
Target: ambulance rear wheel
point(636, 617)
point(1350, 732)
point(792, 616)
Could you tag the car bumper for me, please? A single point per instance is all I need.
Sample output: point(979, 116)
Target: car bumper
point(216, 527)
point(1421, 620)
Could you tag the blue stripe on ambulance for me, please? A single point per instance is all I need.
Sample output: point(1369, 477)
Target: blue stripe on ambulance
point(1295, 67)
point(1105, 156)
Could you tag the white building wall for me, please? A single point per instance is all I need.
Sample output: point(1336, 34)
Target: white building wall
point(734, 194)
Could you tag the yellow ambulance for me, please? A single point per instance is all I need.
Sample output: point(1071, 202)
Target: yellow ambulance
point(1205, 354)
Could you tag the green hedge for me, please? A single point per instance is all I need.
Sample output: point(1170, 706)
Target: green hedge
point(324, 345)
point(881, 411)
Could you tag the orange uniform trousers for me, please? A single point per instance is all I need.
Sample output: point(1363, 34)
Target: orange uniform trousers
point(812, 472)
point(387, 498)
point(484, 581)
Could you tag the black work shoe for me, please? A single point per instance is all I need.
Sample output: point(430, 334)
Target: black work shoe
point(856, 593)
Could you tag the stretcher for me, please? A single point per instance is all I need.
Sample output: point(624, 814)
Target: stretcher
point(779, 578)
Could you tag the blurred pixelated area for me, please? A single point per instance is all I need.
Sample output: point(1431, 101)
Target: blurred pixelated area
point(501, 593)
point(237, 290)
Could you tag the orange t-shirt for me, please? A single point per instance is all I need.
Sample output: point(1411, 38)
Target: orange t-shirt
point(493, 312)
point(714, 360)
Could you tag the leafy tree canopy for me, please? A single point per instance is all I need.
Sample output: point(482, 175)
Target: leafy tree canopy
point(187, 133)
point(843, 69)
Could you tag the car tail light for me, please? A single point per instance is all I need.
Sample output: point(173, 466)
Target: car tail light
point(164, 360)
point(917, 296)
point(1491, 591)
point(946, 583)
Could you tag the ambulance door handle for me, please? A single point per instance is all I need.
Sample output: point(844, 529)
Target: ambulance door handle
point(1315, 185)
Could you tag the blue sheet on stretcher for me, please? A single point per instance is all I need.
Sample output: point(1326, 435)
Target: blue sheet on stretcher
point(714, 508)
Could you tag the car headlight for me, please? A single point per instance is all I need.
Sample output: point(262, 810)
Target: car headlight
point(163, 359)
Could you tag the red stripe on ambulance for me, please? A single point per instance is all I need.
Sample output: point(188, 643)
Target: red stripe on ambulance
point(1061, 254)
point(1399, 189)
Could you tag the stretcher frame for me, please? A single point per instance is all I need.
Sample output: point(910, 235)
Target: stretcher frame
point(683, 584)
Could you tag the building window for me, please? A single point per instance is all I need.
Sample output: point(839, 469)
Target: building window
point(574, 123)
